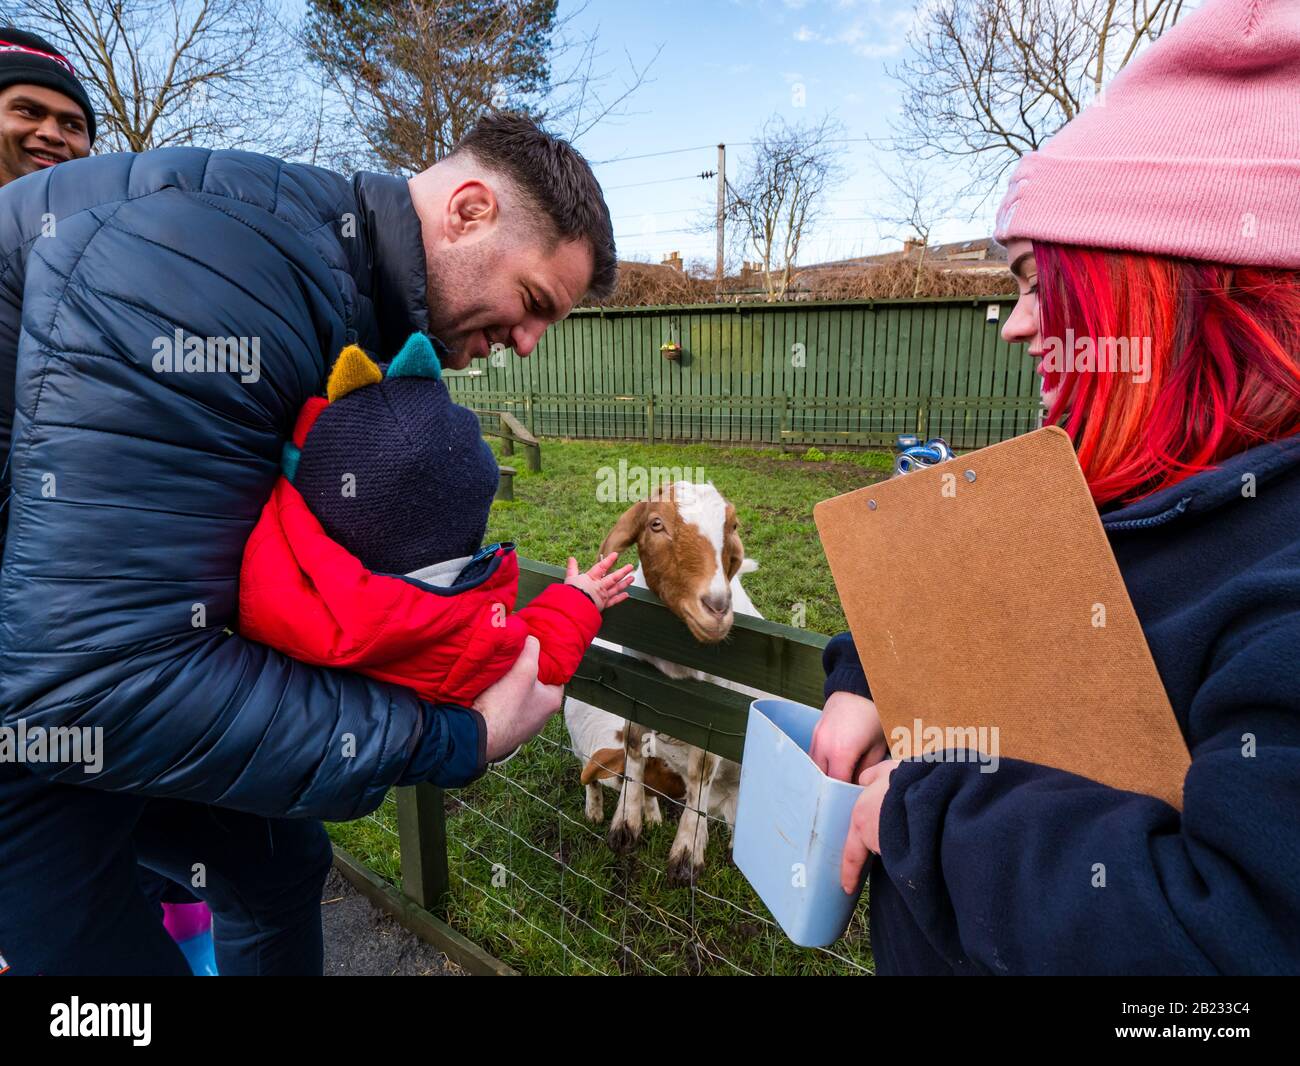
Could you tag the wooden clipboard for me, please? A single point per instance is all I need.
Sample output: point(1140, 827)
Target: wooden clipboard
point(982, 592)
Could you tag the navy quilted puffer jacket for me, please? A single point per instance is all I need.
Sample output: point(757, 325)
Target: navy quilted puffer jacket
point(133, 487)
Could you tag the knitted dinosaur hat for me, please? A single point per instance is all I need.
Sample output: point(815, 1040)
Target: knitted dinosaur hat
point(393, 470)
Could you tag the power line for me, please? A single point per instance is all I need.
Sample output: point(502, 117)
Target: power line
point(661, 181)
point(697, 207)
point(667, 211)
point(660, 233)
point(649, 155)
point(826, 222)
point(702, 147)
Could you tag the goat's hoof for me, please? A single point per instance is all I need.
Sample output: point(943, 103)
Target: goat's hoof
point(621, 839)
point(682, 871)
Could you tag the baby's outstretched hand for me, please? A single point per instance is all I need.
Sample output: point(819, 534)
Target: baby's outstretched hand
point(605, 588)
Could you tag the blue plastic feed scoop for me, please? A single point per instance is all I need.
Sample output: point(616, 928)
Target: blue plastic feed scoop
point(791, 823)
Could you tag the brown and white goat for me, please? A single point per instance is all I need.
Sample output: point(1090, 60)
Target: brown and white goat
point(691, 557)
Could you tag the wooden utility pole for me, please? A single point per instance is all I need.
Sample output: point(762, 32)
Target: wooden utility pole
point(722, 205)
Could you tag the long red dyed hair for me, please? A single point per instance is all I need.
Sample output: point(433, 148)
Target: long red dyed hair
point(1224, 362)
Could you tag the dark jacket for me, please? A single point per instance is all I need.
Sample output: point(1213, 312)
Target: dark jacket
point(997, 873)
point(136, 482)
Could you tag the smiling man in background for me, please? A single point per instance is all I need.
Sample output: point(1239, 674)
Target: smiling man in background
point(45, 114)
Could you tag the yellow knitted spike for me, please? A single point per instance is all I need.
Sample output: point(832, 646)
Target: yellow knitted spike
point(352, 370)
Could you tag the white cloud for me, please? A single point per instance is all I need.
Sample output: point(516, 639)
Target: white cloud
point(852, 33)
point(873, 35)
point(879, 50)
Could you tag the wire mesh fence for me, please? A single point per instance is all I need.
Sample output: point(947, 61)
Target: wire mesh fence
point(537, 885)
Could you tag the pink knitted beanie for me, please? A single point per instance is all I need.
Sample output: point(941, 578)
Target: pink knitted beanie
point(1193, 149)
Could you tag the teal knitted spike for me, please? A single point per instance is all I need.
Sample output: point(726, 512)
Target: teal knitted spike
point(289, 457)
point(417, 359)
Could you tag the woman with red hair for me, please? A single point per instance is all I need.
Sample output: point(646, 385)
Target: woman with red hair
point(1155, 241)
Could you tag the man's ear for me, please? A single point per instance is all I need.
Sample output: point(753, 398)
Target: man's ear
point(626, 530)
point(472, 212)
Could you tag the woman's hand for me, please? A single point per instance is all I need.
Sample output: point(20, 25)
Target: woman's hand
point(864, 829)
point(848, 737)
point(517, 706)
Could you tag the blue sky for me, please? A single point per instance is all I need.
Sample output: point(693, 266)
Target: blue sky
point(726, 66)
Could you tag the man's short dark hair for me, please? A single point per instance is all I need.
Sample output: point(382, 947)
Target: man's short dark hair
point(552, 174)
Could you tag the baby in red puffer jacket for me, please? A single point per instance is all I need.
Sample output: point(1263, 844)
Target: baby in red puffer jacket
point(368, 555)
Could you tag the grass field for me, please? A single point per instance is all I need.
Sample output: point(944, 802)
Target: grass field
point(534, 883)
point(557, 513)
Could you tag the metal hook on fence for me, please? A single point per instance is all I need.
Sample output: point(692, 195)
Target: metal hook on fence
point(913, 456)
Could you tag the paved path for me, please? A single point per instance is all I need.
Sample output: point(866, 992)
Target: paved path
point(361, 941)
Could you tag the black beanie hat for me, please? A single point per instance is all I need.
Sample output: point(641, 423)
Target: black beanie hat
point(26, 59)
point(419, 476)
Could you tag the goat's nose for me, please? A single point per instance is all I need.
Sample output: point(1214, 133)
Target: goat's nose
point(718, 602)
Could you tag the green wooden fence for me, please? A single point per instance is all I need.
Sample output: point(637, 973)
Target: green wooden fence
point(858, 372)
point(765, 655)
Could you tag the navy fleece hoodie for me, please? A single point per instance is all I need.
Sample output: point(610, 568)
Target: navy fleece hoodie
point(998, 873)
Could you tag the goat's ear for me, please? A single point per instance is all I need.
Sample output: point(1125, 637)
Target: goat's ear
point(733, 551)
point(626, 530)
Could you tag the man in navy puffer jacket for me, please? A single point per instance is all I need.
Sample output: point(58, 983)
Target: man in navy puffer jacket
point(134, 478)
point(997, 873)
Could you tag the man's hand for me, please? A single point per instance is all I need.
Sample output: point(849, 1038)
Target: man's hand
point(848, 737)
point(516, 707)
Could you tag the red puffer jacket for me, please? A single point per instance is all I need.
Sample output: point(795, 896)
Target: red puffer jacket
point(306, 595)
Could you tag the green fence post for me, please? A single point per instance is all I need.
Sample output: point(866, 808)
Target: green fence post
point(505, 483)
point(528, 413)
point(650, 418)
point(422, 836)
point(923, 418)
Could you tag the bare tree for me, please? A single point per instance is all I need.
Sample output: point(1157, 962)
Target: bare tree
point(415, 75)
point(163, 72)
point(779, 195)
point(916, 202)
point(585, 89)
point(990, 80)
point(329, 138)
